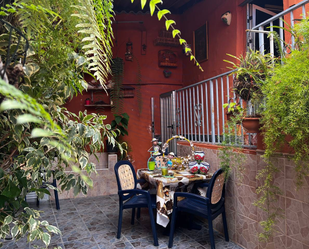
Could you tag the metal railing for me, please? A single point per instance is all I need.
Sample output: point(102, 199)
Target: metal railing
point(200, 116)
point(288, 16)
point(196, 111)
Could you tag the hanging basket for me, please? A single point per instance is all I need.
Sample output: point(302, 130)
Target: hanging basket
point(180, 161)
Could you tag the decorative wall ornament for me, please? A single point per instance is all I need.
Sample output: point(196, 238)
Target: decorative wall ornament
point(129, 51)
point(227, 18)
point(167, 58)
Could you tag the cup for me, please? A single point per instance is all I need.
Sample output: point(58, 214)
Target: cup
point(151, 165)
point(164, 171)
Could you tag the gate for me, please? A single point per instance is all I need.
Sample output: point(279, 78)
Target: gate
point(168, 119)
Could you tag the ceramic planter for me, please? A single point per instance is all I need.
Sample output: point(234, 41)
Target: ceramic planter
point(201, 167)
point(251, 125)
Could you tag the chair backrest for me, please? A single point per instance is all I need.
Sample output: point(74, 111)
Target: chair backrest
point(125, 175)
point(216, 189)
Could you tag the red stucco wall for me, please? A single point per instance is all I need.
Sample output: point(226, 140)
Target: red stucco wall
point(222, 39)
point(152, 79)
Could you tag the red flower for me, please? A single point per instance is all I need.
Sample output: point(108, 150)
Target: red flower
point(198, 158)
point(194, 169)
point(203, 170)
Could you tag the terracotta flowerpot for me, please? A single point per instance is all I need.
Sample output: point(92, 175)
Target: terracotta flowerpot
point(251, 125)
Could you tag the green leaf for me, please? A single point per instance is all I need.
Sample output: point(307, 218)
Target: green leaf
point(38, 132)
point(53, 229)
point(33, 224)
point(163, 12)
point(83, 162)
point(182, 41)
point(191, 57)
point(11, 190)
point(29, 211)
point(76, 169)
point(175, 32)
point(87, 180)
point(12, 104)
point(14, 231)
point(33, 235)
point(168, 23)
point(44, 223)
point(46, 239)
point(31, 69)
point(26, 118)
point(87, 118)
point(187, 50)
point(143, 3)
point(8, 219)
point(152, 5)
point(5, 229)
point(118, 119)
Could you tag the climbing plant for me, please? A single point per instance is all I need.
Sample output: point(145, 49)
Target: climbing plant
point(285, 122)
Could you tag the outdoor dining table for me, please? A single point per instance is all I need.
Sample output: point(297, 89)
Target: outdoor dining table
point(181, 180)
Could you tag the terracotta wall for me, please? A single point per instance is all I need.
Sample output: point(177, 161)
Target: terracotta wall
point(243, 217)
point(153, 82)
point(222, 39)
point(297, 14)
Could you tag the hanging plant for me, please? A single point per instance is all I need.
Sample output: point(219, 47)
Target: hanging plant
point(251, 72)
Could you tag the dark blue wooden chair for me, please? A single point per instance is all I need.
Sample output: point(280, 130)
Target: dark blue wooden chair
point(131, 197)
point(208, 207)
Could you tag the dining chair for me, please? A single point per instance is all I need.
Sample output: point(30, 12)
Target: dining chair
point(208, 207)
point(131, 197)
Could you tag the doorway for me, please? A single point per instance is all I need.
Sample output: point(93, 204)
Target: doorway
point(258, 12)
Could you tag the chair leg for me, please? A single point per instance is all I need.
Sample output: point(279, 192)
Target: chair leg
point(37, 202)
point(170, 242)
point(226, 233)
point(138, 215)
point(211, 233)
point(119, 222)
point(56, 195)
point(133, 216)
point(153, 227)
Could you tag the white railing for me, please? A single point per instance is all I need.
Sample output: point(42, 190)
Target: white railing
point(200, 116)
point(196, 111)
point(284, 18)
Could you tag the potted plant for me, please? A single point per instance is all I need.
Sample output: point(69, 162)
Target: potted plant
point(233, 109)
point(252, 70)
point(119, 125)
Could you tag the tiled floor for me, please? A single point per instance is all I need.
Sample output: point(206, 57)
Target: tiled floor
point(91, 223)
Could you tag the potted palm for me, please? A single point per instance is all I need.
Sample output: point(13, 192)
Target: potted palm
point(251, 72)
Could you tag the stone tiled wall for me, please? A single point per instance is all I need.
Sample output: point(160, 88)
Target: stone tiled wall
point(104, 183)
point(243, 217)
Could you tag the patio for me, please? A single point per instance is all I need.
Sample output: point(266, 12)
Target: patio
point(92, 223)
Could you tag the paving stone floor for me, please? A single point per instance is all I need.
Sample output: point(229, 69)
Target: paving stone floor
point(91, 223)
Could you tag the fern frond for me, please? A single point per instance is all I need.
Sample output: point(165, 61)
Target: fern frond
point(96, 24)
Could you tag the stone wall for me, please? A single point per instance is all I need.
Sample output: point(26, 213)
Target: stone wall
point(104, 182)
point(243, 217)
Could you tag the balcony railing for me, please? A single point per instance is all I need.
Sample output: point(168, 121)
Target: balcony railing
point(196, 111)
